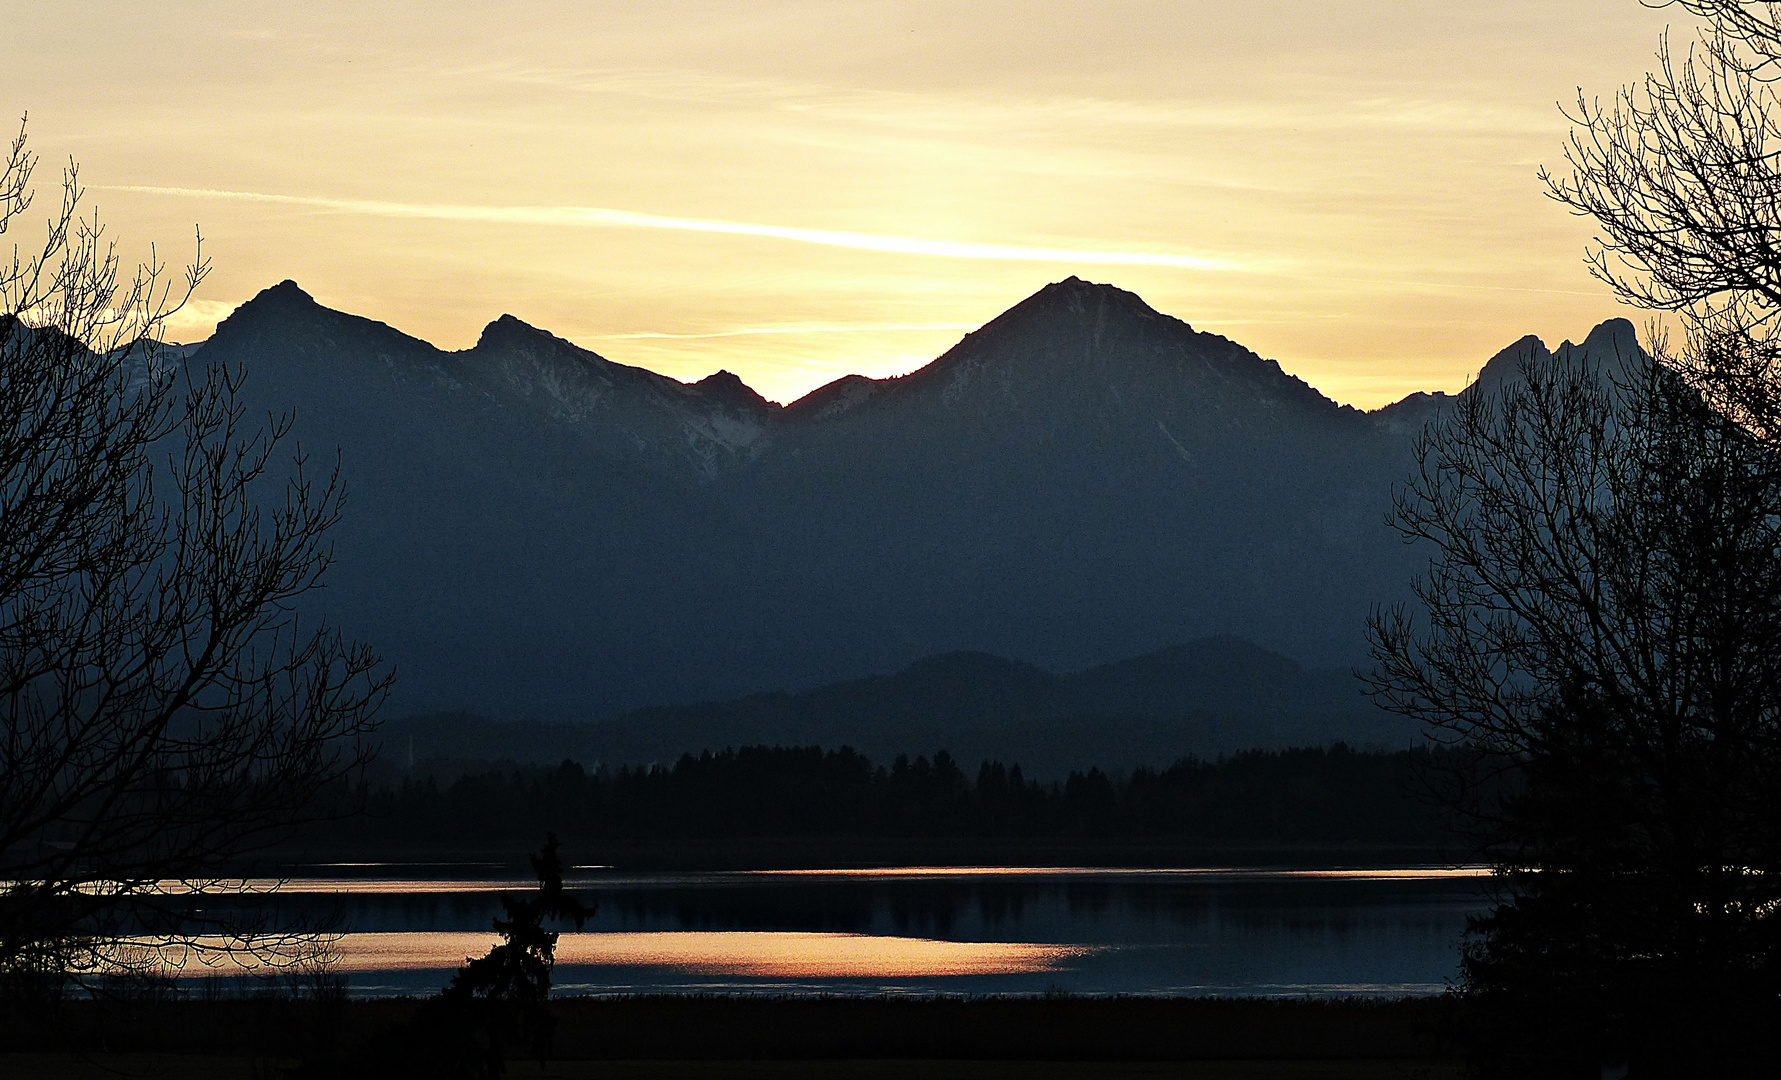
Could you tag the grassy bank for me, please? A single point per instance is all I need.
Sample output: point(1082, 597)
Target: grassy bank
point(171, 1067)
point(731, 1037)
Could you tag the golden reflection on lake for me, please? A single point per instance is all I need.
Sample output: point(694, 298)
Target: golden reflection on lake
point(598, 876)
point(747, 953)
point(408, 886)
point(1413, 873)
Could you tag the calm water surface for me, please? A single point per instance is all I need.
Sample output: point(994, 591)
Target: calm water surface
point(926, 931)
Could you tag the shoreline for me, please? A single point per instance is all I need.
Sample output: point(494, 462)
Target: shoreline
point(734, 1028)
point(868, 853)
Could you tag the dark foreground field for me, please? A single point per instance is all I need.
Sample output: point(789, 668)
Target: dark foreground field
point(744, 1038)
point(179, 1067)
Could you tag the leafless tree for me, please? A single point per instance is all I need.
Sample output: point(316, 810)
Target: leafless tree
point(163, 710)
point(1596, 533)
point(1602, 619)
point(1681, 173)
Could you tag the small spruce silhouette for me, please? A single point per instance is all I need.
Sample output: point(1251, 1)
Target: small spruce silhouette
point(495, 1002)
point(519, 968)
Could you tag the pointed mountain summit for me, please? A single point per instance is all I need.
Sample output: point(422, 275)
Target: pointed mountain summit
point(287, 294)
point(1082, 478)
point(1614, 337)
point(728, 389)
point(698, 430)
point(1083, 341)
point(1610, 347)
point(511, 332)
point(285, 306)
point(298, 352)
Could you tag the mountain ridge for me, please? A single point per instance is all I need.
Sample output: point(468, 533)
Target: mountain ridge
point(537, 530)
point(1187, 700)
point(507, 329)
point(508, 332)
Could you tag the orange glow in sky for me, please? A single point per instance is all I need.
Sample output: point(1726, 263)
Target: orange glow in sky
point(799, 190)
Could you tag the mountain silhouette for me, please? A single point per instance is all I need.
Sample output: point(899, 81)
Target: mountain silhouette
point(1208, 697)
point(534, 530)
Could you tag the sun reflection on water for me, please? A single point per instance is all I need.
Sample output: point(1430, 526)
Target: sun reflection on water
point(1413, 873)
point(773, 954)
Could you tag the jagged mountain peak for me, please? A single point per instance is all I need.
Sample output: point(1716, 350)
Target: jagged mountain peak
point(1613, 333)
point(284, 317)
point(836, 397)
point(726, 388)
point(1077, 292)
point(278, 301)
point(1505, 366)
point(1075, 300)
point(1612, 343)
point(1070, 306)
point(284, 293)
point(532, 359)
point(509, 332)
point(286, 308)
point(1090, 341)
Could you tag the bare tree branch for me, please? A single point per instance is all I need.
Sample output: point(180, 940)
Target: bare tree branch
point(165, 709)
point(1601, 619)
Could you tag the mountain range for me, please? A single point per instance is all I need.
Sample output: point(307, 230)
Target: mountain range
point(1204, 698)
point(533, 530)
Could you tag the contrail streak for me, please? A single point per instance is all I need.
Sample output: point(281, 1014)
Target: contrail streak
point(602, 217)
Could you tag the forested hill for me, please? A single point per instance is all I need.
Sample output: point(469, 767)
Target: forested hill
point(1213, 696)
point(1333, 798)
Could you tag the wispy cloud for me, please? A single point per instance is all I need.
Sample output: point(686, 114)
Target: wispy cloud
point(1326, 102)
point(603, 217)
point(859, 328)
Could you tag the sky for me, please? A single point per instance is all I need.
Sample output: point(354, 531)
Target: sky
point(795, 191)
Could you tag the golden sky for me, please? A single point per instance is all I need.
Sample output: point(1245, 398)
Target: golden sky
point(799, 190)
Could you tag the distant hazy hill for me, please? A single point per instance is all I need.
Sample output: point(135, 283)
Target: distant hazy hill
point(534, 530)
point(1207, 697)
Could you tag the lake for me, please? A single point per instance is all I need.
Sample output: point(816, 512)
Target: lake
point(921, 931)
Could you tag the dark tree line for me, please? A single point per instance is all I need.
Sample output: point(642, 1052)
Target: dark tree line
point(1335, 795)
